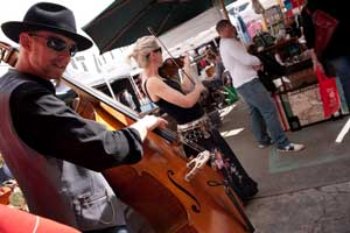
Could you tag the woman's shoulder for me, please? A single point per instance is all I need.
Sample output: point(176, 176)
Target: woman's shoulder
point(154, 84)
point(154, 80)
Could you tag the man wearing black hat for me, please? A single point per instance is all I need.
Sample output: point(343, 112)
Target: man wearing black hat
point(54, 154)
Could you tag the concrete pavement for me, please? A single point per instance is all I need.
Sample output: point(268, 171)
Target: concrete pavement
point(302, 192)
point(324, 209)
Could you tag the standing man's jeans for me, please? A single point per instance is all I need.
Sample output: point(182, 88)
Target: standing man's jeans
point(341, 67)
point(263, 114)
point(5, 173)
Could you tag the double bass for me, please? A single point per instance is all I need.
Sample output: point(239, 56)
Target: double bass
point(159, 186)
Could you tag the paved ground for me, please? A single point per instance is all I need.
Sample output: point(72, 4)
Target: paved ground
point(304, 192)
point(325, 209)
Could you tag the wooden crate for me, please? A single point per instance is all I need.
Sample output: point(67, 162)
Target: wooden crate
point(302, 78)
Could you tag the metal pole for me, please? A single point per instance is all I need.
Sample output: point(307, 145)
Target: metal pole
point(223, 7)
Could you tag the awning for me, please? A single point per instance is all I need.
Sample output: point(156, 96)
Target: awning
point(124, 21)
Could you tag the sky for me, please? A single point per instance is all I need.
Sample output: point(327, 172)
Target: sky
point(84, 11)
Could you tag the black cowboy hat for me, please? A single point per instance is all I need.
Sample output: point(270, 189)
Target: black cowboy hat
point(48, 17)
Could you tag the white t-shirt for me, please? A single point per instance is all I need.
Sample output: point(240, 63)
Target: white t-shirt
point(238, 61)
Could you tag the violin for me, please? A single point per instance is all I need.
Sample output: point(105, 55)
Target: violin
point(170, 67)
point(159, 186)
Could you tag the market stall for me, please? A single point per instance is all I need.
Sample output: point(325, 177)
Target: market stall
point(299, 97)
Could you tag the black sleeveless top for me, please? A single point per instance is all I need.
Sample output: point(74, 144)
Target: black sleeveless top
point(181, 115)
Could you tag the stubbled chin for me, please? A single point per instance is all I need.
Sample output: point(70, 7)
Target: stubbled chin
point(55, 75)
point(57, 72)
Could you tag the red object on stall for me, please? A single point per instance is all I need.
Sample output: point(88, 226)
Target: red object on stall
point(329, 92)
point(289, 13)
point(297, 3)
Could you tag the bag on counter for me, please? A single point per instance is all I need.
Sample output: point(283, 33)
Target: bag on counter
point(329, 93)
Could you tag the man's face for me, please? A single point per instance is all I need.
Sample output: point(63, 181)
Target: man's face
point(49, 53)
point(229, 31)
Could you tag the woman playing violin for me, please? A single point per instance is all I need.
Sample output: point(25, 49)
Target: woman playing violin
point(180, 101)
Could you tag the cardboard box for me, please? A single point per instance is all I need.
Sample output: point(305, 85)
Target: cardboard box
point(306, 104)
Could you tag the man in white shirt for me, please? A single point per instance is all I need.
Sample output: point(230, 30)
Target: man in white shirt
point(243, 68)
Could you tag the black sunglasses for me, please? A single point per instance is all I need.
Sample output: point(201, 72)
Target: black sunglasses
point(57, 44)
point(158, 50)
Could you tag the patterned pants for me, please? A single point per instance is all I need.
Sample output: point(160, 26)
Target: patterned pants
point(224, 160)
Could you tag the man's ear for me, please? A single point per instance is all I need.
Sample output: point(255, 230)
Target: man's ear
point(24, 40)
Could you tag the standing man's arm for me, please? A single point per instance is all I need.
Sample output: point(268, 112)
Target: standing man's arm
point(237, 51)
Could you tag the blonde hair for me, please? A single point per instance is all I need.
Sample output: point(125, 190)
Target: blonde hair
point(142, 48)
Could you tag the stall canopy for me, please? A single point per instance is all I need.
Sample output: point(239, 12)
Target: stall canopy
point(126, 20)
point(192, 33)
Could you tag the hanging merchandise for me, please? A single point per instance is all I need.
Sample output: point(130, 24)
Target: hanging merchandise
point(242, 30)
point(254, 27)
point(288, 5)
point(257, 7)
point(289, 14)
point(297, 3)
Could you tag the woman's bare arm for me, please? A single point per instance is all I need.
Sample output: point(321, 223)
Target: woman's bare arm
point(157, 89)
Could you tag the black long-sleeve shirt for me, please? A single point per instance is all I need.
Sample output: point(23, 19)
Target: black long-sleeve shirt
point(51, 128)
point(339, 44)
